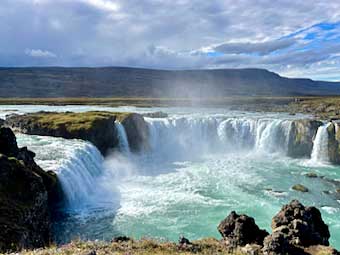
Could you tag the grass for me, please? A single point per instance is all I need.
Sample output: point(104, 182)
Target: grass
point(321, 107)
point(148, 102)
point(72, 121)
point(207, 246)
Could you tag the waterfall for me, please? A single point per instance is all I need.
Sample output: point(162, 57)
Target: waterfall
point(122, 138)
point(76, 162)
point(182, 136)
point(78, 173)
point(215, 134)
point(320, 145)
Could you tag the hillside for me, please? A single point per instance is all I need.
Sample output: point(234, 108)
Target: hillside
point(135, 82)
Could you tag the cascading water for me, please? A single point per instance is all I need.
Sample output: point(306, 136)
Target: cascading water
point(169, 191)
point(320, 145)
point(122, 138)
point(198, 135)
point(77, 164)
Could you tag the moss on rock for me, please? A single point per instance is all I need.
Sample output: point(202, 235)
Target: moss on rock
point(300, 187)
point(301, 136)
point(96, 127)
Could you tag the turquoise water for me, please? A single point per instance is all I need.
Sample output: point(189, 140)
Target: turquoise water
point(191, 180)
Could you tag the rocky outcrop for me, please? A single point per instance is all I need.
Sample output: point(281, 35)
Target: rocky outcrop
point(95, 127)
point(240, 230)
point(25, 193)
point(137, 131)
point(301, 136)
point(333, 143)
point(156, 114)
point(295, 228)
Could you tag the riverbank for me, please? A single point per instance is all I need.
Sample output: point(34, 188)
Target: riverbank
point(136, 247)
point(320, 107)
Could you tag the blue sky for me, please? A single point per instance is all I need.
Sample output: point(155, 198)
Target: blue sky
point(300, 39)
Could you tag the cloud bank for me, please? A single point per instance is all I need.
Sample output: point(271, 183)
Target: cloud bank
point(298, 39)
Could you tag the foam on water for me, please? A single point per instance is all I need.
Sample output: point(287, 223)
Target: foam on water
point(77, 164)
point(201, 167)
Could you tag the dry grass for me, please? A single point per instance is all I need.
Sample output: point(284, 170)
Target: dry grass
point(148, 102)
point(72, 121)
point(207, 246)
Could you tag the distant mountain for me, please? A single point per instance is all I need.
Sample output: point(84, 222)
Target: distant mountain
point(136, 82)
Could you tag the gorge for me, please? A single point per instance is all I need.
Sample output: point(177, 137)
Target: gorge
point(189, 170)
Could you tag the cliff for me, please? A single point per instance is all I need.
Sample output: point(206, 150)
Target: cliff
point(95, 127)
point(26, 196)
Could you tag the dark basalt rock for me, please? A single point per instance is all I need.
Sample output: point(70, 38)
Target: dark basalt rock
point(276, 243)
point(26, 193)
point(305, 224)
point(24, 215)
point(8, 143)
point(137, 131)
point(301, 136)
point(300, 187)
point(120, 239)
point(239, 230)
point(333, 143)
point(296, 227)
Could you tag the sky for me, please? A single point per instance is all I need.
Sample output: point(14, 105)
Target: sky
point(292, 38)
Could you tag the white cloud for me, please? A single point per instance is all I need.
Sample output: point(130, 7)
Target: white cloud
point(106, 5)
point(37, 53)
point(184, 34)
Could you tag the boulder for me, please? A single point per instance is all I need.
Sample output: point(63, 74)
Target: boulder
point(240, 230)
point(301, 226)
point(301, 136)
point(321, 250)
point(2, 122)
point(137, 131)
point(278, 244)
point(8, 143)
point(300, 187)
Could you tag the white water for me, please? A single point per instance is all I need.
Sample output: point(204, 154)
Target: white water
point(187, 137)
point(320, 145)
point(76, 162)
point(201, 166)
point(122, 138)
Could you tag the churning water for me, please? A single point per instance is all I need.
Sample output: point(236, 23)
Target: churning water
point(200, 167)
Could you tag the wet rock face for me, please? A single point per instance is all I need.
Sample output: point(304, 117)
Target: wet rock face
point(240, 230)
point(137, 131)
point(301, 136)
point(333, 143)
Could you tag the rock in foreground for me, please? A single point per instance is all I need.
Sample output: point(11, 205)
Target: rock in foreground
point(25, 193)
point(296, 228)
point(240, 230)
